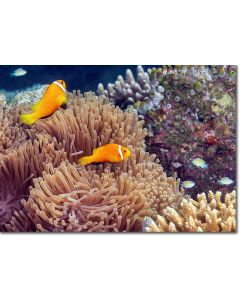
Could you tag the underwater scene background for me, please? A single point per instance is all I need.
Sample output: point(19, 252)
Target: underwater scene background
point(178, 122)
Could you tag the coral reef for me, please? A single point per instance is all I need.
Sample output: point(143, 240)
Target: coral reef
point(196, 118)
point(202, 215)
point(43, 189)
point(29, 96)
point(3, 101)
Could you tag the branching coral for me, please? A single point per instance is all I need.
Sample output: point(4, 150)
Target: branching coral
point(129, 91)
point(208, 215)
point(17, 170)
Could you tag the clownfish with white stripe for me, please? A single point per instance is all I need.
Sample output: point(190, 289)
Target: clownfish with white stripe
point(53, 98)
point(108, 153)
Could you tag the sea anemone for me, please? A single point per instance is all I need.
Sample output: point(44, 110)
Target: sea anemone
point(90, 122)
point(73, 198)
point(12, 133)
point(108, 197)
point(17, 170)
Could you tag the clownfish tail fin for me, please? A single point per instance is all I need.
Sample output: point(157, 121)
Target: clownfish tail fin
point(28, 119)
point(86, 160)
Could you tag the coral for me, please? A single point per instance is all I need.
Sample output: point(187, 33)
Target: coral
point(29, 96)
point(17, 170)
point(44, 190)
point(196, 118)
point(3, 101)
point(126, 92)
point(201, 123)
point(202, 215)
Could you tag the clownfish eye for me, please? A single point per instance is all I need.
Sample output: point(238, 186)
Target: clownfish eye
point(124, 151)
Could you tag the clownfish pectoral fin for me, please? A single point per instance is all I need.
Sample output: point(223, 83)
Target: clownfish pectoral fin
point(62, 99)
point(64, 106)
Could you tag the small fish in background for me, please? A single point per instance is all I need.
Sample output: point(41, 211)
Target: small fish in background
point(53, 98)
point(108, 153)
point(200, 163)
point(225, 181)
point(147, 222)
point(210, 137)
point(211, 140)
point(18, 72)
point(188, 184)
point(176, 165)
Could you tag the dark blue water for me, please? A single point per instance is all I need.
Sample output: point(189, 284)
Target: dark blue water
point(84, 78)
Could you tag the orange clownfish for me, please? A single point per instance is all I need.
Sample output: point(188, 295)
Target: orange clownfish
point(53, 98)
point(109, 153)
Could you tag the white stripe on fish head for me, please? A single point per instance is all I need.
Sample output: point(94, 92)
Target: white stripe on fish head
point(120, 151)
point(60, 85)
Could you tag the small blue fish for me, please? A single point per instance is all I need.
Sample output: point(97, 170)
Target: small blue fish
point(200, 163)
point(176, 165)
point(19, 72)
point(225, 181)
point(188, 184)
